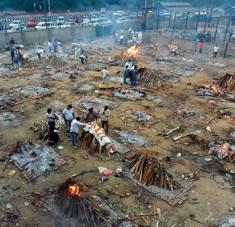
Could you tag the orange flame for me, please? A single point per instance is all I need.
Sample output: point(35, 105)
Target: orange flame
point(74, 190)
point(131, 52)
point(216, 88)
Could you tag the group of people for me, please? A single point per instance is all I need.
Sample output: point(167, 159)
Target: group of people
point(73, 123)
point(128, 37)
point(199, 40)
point(131, 72)
point(55, 46)
point(79, 54)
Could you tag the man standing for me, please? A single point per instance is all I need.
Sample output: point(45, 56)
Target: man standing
point(215, 51)
point(91, 116)
point(51, 118)
point(105, 114)
point(49, 44)
point(68, 116)
point(104, 74)
point(125, 74)
point(74, 129)
point(134, 74)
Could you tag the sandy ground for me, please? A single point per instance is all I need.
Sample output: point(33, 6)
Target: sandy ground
point(212, 201)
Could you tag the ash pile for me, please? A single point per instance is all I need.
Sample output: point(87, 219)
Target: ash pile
point(204, 91)
point(186, 112)
point(140, 116)
point(94, 138)
point(129, 94)
point(82, 88)
point(9, 119)
point(132, 138)
point(7, 101)
point(32, 91)
point(97, 104)
point(35, 160)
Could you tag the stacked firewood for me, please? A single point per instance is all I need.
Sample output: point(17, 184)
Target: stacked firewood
point(29, 64)
point(41, 128)
point(90, 143)
point(149, 77)
point(55, 61)
point(227, 82)
point(81, 206)
point(149, 171)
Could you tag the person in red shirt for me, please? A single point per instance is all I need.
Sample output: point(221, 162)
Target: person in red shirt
point(200, 47)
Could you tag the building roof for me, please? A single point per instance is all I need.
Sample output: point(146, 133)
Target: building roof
point(175, 4)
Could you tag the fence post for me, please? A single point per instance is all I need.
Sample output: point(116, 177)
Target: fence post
point(169, 24)
point(226, 31)
point(186, 22)
point(198, 18)
point(174, 23)
point(226, 47)
point(216, 28)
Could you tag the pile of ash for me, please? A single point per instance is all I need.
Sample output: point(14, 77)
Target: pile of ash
point(32, 91)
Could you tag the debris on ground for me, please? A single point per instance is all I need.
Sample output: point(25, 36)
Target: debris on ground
point(132, 138)
point(35, 160)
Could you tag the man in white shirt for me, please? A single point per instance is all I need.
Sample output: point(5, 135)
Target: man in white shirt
point(216, 50)
point(104, 74)
point(74, 129)
point(68, 116)
point(128, 64)
point(49, 44)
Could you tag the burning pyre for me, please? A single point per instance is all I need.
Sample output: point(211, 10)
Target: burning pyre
point(94, 138)
point(224, 84)
point(149, 171)
point(131, 52)
point(73, 199)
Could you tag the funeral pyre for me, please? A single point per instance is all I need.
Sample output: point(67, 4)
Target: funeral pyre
point(55, 61)
point(35, 160)
point(131, 52)
point(224, 84)
point(94, 138)
point(74, 200)
point(149, 171)
point(132, 94)
point(222, 149)
point(150, 77)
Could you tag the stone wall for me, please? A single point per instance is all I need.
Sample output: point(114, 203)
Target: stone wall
point(32, 37)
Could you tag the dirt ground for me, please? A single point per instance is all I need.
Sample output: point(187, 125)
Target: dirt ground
point(207, 202)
